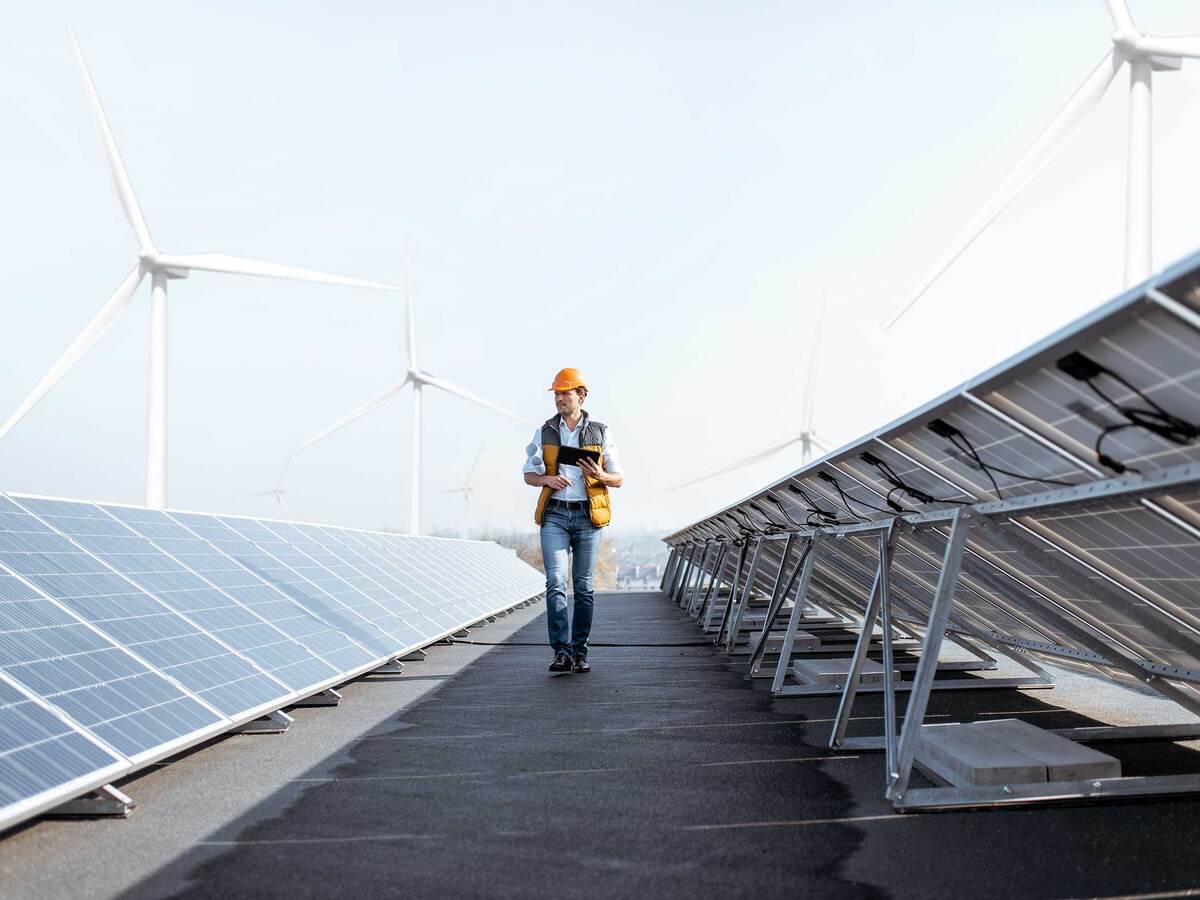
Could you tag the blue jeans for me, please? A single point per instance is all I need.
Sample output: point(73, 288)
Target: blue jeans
point(570, 530)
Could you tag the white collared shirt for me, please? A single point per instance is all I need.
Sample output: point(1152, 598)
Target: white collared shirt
point(568, 438)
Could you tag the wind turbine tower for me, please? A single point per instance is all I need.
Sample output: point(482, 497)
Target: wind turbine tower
point(419, 379)
point(162, 268)
point(1145, 55)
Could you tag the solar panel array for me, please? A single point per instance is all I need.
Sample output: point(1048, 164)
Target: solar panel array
point(129, 634)
point(1099, 563)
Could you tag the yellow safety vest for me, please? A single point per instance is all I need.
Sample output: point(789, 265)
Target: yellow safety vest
point(592, 438)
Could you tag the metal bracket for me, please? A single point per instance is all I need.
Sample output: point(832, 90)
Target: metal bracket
point(104, 801)
point(391, 667)
point(327, 697)
point(272, 723)
point(415, 656)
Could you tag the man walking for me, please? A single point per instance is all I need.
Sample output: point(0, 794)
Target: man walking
point(571, 509)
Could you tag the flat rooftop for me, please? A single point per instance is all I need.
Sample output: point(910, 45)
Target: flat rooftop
point(663, 773)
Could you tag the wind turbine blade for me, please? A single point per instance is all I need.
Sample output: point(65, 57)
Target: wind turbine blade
point(99, 324)
point(237, 265)
point(770, 450)
point(1082, 102)
point(1119, 12)
point(352, 416)
point(410, 329)
point(1181, 45)
point(820, 442)
point(475, 462)
point(451, 388)
point(810, 381)
point(129, 203)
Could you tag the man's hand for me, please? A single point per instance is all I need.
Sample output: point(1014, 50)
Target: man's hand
point(555, 482)
point(592, 469)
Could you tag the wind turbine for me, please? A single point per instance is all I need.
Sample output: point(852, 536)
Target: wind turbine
point(1145, 54)
point(419, 379)
point(161, 267)
point(467, 489)
point(806, 437)
point(279, 493)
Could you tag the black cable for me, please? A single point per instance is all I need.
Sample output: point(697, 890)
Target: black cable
point(590, 644)
point(942, 428)
point(898, 484)
point(1156, 420)
point(825, 476)
point(814, 509)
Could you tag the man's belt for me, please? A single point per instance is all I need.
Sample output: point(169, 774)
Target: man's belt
point(568, 504)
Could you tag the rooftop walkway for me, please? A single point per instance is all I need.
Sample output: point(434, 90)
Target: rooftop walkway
point(663, 773)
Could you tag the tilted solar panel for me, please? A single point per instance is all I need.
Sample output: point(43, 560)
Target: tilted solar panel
point(128, 634)
point(1051, 505)
point(310, 615)
point(133, 618)
point(43, 758)
point(101, 686)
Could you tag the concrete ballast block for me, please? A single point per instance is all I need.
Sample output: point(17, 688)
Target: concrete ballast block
point(835, 671)
point(1064, 759)
point(963, 755)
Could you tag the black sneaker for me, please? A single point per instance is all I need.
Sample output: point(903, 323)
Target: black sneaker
point(562, 662)
point(581, 664)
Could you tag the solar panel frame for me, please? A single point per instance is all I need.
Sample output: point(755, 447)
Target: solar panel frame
point(1006, 436)
point(114, 534)
point(219, 611)
point(186, 670)
point(73, 698)
point(104, 767)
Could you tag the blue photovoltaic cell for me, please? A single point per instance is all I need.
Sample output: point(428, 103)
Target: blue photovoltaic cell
point(127, 633)
point(100, 686)
point(409, 570)
point(212, 611)
point(372, 556)
point(297, 575)
point(241, 612)
point(302, 614)
point(39, 752)
point(411, 623)
point(129, 616)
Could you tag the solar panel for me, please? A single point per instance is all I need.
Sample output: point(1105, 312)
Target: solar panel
point(101, 686)
point(241, 611)
point(309, 616)
point(127, 634)
point(43, 758)
point(103, 596)
point(308, 582)
point(1076, 468)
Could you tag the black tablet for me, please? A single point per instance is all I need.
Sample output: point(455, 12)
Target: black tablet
point(570, 456)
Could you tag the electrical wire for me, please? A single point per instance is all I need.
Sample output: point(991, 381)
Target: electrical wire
point(1156, 420)
point(898, 484)
point(963, 444)
point(846, 500)
point(590, 644)
point(814, 509)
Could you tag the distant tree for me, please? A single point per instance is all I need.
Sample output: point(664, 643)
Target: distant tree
point(606, 567)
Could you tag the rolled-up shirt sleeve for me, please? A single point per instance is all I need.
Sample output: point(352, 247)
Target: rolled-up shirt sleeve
point(534, 464)
point(612, 462)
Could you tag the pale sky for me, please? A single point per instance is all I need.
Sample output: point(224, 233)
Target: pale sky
point(653, 193)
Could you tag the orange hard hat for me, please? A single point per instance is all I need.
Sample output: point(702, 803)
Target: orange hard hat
point(568, 380)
